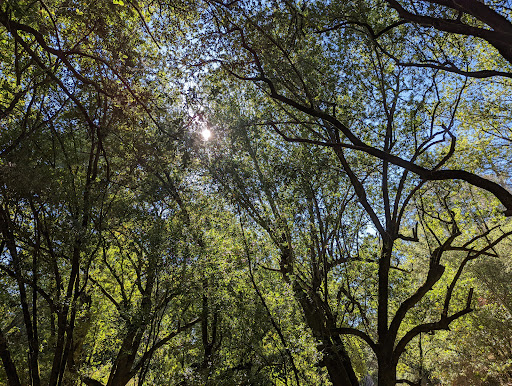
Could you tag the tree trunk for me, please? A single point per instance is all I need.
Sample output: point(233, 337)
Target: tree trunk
point(387, 368)
point(319, 320)
point(121, 373)
point(8, 235)
point(338, 364)
point(387, 375)
point(9, 366)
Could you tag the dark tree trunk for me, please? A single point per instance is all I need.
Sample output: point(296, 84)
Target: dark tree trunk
point(321, 323)
point(59, 347)
point(8, 235)
point(121, 374)
point(338, 364)
point(9, 366)
point(386, 374)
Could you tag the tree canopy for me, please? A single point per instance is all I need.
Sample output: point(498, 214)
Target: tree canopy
point(345, 220)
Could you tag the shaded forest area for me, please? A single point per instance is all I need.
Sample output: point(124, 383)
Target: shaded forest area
point(243, 192)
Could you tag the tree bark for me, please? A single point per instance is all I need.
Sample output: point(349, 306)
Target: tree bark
point(386, 374)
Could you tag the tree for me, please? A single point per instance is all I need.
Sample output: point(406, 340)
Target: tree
point(74, 103)
point(408, 124)
point(105, 240)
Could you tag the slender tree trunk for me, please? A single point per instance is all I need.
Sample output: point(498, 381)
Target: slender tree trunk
point(9, 366)
point(121, 374)
point(6, 231)
point(35, 334)
point(59, 346)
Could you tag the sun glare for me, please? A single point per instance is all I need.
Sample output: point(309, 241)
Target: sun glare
point(206, 134)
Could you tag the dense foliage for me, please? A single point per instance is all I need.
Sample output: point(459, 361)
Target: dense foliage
point(255, 192)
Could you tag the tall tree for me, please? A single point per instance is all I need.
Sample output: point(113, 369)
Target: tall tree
point(75, 106)
point(384, 123)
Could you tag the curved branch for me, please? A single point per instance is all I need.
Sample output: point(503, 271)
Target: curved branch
point(360, 334)
point(442, 324)
point(500, 36)
point(13, 26)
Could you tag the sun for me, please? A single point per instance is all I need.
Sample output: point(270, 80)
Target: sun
point(206, 134)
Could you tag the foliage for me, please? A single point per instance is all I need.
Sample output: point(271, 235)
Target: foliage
point(344, 220)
